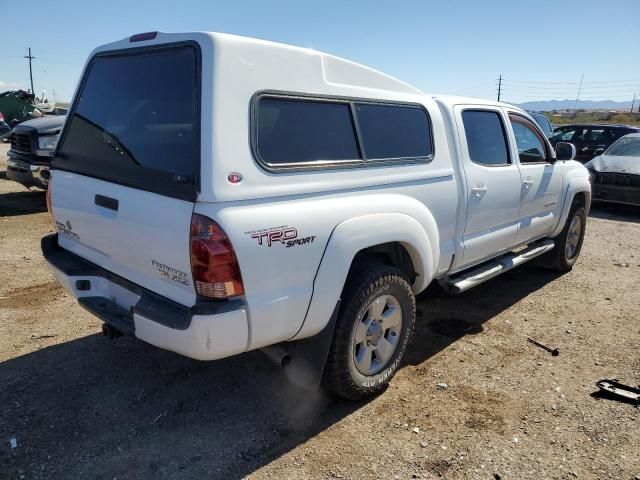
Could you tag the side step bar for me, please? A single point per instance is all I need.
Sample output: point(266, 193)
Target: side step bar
point(460, 282)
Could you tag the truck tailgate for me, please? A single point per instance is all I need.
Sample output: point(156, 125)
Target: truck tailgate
point(139, 235)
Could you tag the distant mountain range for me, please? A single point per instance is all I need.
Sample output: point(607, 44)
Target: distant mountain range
point(548, 105)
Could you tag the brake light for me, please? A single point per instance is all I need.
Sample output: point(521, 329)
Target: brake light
point(139, 37)
point(214, 265)
point(48, 197)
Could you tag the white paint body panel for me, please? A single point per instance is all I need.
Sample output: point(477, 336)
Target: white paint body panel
point(290, 292)
point(147, 227)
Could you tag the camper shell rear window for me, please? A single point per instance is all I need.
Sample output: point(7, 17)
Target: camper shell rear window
point(293, 132)
point(136, 120)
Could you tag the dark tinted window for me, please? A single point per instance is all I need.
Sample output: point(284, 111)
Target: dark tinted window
point(564, 134)
point(603, 136)
point(529, 142)
point(486, 138)
point(391, 131)
point(302, 131)
point(136, 120)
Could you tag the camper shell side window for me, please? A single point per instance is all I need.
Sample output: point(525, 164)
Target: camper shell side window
point(299, 132)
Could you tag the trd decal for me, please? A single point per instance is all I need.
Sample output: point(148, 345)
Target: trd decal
point(282, 235)
point(66, 229)
point(171, 273)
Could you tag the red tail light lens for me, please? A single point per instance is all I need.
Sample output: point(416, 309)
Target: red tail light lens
point(1, 117)
point(214, 265)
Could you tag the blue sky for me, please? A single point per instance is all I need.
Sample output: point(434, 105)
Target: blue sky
point(458, 47)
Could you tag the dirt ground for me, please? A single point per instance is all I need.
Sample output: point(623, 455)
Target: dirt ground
point(79, 406)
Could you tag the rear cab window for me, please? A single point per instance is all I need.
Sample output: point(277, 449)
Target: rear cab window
point(136, 120)
point(301, 133)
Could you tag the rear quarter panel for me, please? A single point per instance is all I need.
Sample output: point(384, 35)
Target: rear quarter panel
point(280, 243)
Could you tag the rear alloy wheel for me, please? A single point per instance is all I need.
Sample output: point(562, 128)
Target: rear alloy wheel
point(372, 331)
point(377, 335)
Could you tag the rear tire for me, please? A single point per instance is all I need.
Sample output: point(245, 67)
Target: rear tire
point(373, 329)
point(568, 243)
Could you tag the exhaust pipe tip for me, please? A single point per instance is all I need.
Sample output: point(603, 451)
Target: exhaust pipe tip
point(277, 355)
point(111, 332)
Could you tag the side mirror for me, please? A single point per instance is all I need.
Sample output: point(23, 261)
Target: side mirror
point(565, 151)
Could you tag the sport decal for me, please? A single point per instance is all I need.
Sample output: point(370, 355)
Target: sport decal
point(282, 235)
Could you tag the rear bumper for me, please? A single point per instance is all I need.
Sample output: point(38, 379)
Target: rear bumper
point(27, 174)
point(205, 331)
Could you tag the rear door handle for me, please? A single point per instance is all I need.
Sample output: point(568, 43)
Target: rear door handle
point(478, 190)
point(106, 202)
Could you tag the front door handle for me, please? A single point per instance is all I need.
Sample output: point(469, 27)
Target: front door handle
point(527, 183)
point(478, 191)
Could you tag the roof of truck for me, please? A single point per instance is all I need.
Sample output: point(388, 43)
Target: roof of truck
point(451, 100)
point(335, 70)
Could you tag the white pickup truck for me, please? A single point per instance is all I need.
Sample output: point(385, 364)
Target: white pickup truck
point(215, 194)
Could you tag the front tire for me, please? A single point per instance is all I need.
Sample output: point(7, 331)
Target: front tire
point(569, 242)
point(373, 329)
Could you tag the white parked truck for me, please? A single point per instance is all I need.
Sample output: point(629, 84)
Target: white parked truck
point(215, 194)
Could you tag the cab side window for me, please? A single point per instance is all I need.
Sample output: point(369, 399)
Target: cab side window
point(531, 146)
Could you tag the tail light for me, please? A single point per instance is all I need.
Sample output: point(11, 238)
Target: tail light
point(1, 117)
point(48, 197)
point(214, 265)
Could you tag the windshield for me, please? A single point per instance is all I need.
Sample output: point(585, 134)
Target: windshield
point(135, 120)
point(626, 147)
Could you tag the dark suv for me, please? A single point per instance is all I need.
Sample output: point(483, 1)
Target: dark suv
point(590, 140)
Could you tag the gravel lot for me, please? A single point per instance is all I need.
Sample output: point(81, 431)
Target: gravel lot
point(80, 406)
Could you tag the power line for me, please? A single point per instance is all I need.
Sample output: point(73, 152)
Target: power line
point(635, 81)
point(573, 89)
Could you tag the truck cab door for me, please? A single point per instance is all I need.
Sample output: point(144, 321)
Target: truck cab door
point(492, 182)
point(540, 205)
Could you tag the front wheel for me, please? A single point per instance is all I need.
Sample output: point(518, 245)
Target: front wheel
point(569, 242)
point(372, 332)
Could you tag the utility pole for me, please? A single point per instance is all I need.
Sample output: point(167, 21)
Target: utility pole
point(575, 107)
point(633, 102)
point(499, 86)
point(30, 57)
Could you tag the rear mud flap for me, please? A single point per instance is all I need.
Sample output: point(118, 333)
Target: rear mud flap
point(304, 360)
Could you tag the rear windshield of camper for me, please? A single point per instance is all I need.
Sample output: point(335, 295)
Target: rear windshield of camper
point(136, 120)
